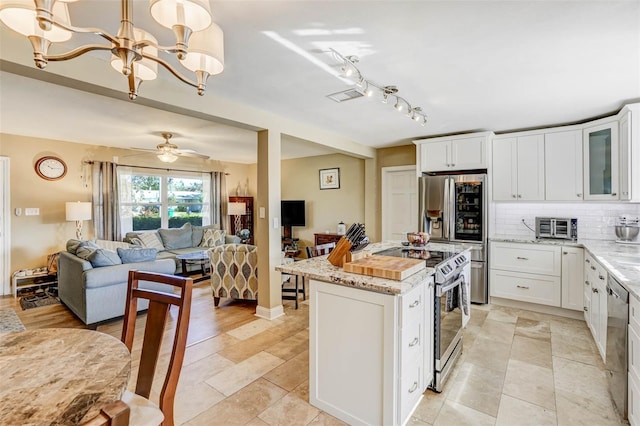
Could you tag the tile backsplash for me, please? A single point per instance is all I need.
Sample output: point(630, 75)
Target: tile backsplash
point(595, 220)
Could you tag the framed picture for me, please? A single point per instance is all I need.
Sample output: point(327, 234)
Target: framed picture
point(330, 178)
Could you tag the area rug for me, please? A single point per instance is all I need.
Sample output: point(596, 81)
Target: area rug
point(41, 298)
point(9, 321)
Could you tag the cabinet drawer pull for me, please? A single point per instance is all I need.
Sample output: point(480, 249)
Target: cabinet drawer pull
point(414, 304)
point(613, 194)
point(519, 196)
point(579, 195)
point(522, 286)
point(522, 258)
point(414, 342)
point(453, 165)
point(595, 290)
point(513, 195)
point(593, 268)
point(586, 309)
point(414, 387)
point(601, 277)
point(587, 260)
point(565, 252)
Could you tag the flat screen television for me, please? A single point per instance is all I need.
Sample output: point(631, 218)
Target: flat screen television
point(292, 212)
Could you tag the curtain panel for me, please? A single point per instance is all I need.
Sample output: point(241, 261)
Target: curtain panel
point(106, 210)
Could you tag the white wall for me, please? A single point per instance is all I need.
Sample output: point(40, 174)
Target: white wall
point(595, 220)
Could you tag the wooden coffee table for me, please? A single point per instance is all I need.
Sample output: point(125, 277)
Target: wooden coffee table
point(195, 258)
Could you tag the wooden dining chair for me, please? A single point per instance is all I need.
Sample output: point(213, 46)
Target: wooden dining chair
point(157, 313)
point(114, 414)
point(320, 249)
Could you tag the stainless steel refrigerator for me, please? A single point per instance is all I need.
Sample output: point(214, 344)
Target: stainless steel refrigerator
point(453, 208)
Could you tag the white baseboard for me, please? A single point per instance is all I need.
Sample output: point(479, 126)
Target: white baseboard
point(544, 309)
point(269, 314)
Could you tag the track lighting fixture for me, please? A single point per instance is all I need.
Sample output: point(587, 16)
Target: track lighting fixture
point(367, 87)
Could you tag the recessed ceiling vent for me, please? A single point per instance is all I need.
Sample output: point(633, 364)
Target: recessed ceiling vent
point(345, 95)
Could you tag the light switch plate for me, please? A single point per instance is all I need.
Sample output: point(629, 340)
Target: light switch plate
point(18, 211)
point(33, 211)
point(275, 223)
point(262, 213)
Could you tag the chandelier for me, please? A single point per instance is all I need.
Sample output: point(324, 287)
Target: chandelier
point(367, 87)
point(134, 52)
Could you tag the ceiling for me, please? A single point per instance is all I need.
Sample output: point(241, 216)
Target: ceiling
point(475, 65)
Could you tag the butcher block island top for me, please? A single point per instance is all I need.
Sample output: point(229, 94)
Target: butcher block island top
point(394, 268)
point(319, 268)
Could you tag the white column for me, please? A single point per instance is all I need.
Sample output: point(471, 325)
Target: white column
point(5, 226)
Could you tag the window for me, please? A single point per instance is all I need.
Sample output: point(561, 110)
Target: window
point(151, 199)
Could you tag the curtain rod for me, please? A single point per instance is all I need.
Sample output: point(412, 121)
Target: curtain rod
point(156, 168)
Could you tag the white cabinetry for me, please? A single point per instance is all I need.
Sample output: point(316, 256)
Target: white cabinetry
point(601, 161)
point(525, 272)
point(596, 302)
point(563, 166)
point(633, 387)
point(463, 152)
point(370, 353)
point(629, 126)
point(518, 168)
point(572, 278)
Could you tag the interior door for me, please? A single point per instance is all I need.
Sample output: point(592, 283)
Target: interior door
point(399, 202)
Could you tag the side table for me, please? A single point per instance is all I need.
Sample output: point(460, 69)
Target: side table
point(195, 258)
point(21, 283)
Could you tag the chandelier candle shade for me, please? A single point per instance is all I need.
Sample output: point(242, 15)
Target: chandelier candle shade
point(78, 211)
point(199, 41)
point(237, 210)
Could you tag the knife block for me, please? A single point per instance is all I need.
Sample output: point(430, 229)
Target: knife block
point(336, 257)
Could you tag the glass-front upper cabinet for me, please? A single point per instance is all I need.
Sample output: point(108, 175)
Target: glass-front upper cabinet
point(601, 177)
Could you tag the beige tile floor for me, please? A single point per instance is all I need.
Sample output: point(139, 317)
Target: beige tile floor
point(517, 368)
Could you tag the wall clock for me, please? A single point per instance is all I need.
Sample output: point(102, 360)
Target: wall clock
point(51, 168)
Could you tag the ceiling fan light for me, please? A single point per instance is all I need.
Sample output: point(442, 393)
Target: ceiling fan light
point(206, 51)
point(398, 106)
point(167, 157)
point(144, 69)
point(385, 98)
point(20, 16)
point(194, 14)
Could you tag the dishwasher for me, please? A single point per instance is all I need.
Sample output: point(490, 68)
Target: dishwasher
point(616, 360)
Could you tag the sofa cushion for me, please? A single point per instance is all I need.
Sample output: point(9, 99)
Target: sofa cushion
point(135, 255)
point(112, 245)
point(85, 249)
point(72, 246)
point(104, 257)
point(198, 233)
point(151, 240)
point(176, 238)
point(213, 238)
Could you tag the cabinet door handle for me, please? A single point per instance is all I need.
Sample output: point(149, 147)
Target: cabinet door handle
point(522, 258)
point(519, 196)
point(601, 277)
point(579, 195)
point(522, 286)
point(587, 260)
point(415, 303)
point(513, 195)
point(593, 268)
point(586, 309)
point(453, 165)
point(595, 290)
point(613, 194)
point(414, 342)
point(414, 387)
point(587, 283)
point(565, 252)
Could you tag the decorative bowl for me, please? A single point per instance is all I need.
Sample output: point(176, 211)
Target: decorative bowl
point(418, 239)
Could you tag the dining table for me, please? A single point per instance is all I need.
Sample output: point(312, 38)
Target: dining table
point(59, 376)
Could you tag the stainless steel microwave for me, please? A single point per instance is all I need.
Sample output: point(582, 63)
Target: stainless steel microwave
point(557, 228)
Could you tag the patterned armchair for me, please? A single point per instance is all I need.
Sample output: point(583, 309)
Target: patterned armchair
point(234, 271)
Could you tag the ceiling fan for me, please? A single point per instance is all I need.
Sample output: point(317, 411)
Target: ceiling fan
point(168, 152)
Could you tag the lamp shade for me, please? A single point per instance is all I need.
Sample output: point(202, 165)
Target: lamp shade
point(206, 51)
point(194, 14)
point(77, 210)
point(20, 16)
point(237, 209)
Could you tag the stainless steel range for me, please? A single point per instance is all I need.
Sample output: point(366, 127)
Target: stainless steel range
point(452, 306)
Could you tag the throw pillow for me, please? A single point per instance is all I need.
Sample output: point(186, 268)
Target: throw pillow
point(176, 238)
point(112, 245)
point(212, 238)
point(136, 255)
point(151, 240)
point(198, 233)
point(104, 257)
point(85, 248)
point(72, 246)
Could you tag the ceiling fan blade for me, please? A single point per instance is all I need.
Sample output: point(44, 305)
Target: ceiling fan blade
point(144, 149)
point(191, 153)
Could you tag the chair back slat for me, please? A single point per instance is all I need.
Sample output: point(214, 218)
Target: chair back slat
point(157, 314)
point(320, 249)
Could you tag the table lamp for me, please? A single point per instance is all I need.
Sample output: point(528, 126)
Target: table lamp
point(237, 210)
point(78, 211)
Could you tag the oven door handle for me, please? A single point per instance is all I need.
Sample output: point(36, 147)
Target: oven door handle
point(440, 290)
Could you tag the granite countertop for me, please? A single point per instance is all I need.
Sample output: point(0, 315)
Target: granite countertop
point(621, 260)
point(59, 376)
point(319, 268)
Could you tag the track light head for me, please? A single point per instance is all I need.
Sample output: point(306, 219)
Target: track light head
point(398, 105)
point(385, 98)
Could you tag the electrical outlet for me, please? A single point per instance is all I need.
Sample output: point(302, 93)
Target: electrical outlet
point(33, 211)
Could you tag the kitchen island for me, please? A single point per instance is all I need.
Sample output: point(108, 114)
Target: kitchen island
point(370, 340)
